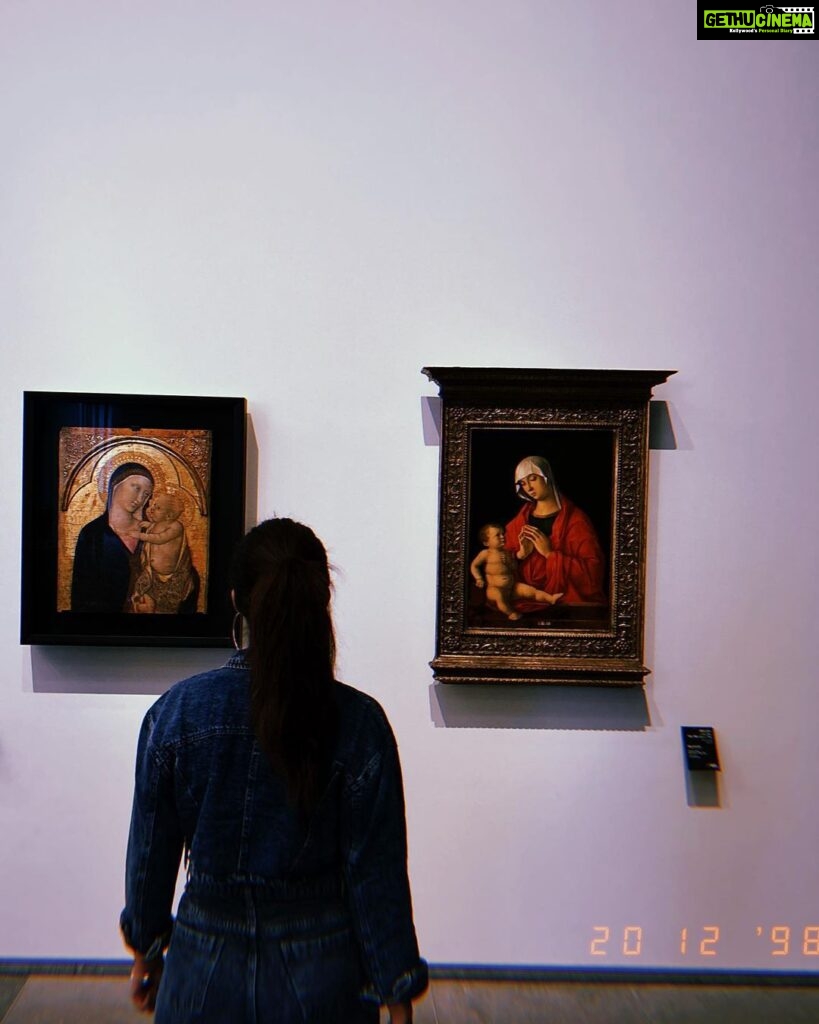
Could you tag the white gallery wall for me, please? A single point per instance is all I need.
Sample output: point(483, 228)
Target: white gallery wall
point(305, 203)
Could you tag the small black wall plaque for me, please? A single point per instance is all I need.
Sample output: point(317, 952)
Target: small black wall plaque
point(700, 747)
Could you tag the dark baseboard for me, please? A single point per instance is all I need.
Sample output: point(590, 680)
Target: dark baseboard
point(622, 975)
point(84, 968)
point(485, 972)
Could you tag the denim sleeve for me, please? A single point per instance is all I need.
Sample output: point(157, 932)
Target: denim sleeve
point(154, 849)
point(376, 878)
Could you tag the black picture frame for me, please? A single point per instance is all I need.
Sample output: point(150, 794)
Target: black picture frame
point(194, 449)
point(587, 430)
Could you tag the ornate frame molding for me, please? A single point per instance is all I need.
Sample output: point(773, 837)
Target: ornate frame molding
point(613, 403)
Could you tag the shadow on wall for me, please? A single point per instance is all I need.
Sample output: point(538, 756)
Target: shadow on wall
point(117, 669)
point(618, 709)
point(661, 435)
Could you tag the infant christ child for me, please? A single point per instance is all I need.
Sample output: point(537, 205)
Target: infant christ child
point(167, 575)
point(495, 568)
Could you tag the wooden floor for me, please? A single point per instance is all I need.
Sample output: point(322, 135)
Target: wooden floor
point(104, 1000)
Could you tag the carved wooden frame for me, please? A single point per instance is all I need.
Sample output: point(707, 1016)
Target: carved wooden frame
point(613, 402)
point(106, 420)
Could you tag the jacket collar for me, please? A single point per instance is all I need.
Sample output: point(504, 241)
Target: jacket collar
point(238, 660)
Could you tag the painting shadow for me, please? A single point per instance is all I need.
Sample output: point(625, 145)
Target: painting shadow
point(510, 706)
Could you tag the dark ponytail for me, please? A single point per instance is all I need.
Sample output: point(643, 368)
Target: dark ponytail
point(281, 581)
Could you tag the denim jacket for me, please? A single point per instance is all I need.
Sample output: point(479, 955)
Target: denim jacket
point(203, 784)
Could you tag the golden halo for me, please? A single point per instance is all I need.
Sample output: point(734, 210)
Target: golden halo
point(107, 467)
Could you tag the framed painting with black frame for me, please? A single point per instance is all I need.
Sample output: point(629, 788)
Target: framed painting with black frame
point(542, 530)
point(132, 505)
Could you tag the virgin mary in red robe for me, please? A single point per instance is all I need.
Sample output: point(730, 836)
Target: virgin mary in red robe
point(554, 541)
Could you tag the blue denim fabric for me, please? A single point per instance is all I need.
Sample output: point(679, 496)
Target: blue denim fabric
point(252, 959)
point(281, 919)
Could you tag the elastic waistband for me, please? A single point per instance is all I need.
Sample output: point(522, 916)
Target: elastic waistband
point(264, 890)
point(279, 906)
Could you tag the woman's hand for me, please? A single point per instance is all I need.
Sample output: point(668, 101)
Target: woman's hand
point(145, 977)
point(535, 538)
point(400, 1013)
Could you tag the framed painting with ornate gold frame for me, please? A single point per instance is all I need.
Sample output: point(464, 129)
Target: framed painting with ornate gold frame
point(542, 530)
point(131, 507)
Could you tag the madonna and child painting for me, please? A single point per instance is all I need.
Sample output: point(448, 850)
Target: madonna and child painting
point(539, 549)
point(133, 525)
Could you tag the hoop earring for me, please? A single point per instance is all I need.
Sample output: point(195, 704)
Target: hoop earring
point(237, 627)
